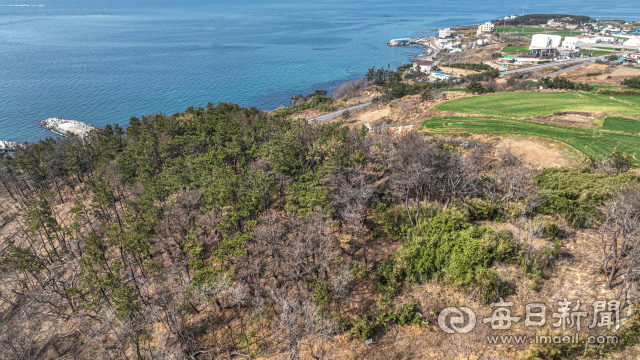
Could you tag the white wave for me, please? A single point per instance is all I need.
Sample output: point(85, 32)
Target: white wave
point(23, 5)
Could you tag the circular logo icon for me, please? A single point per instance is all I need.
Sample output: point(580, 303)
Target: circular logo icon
point(451, 319)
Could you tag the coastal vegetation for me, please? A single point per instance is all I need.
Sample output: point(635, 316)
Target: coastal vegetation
point(470, 66)
point(317, 100)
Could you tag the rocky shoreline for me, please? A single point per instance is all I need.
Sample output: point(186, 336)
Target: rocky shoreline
point(8, 145)
point(63, 126)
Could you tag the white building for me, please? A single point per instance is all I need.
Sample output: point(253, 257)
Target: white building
point(486, 28)
point(570, 43)
point(424, 65)
point(444, 33)
point(543, 43)
point(593, 40)
point(633, 42)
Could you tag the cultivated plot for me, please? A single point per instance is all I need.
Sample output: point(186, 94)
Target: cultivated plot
point(525, 104)
point(589, 142)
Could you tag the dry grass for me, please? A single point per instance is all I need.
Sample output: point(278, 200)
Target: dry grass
point(538, 155)
point(621, 73)
point(573, 277)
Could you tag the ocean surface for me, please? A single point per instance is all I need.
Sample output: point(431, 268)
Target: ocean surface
point(104, 61)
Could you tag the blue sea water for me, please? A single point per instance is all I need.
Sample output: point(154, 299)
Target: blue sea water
point(104, 61)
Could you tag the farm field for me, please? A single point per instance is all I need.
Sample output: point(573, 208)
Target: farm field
point(587, 52)
point(524, 104)
point(589, 142)
point(629, 126)
point(531, 31)
point(516, 29)
point(516, 49)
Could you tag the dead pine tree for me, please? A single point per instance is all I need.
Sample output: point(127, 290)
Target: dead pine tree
point(620, 233)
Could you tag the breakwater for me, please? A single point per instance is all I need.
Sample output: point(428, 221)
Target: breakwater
point(63, 126)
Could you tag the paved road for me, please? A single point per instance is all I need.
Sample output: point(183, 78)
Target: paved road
point(552, 64)
point(336, 114)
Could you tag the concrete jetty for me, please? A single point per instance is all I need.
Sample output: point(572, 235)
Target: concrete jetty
point(63, 126)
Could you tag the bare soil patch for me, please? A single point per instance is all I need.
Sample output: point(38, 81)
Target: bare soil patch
point(458, 72)
point(621, 72)
point(573, 119)
point(375, 115)
point(537, 154)
point(580, 74)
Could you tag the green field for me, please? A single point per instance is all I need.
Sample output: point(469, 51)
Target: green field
point(629, 126)
point(530, 31)
point(589, 142)
point(516, 49)
point(594, 52)
point(516, 29)
point(524, 104)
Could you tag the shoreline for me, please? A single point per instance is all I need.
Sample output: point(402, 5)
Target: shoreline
point(8, 145)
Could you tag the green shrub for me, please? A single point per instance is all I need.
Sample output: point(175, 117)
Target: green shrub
point(633, 82)
point(576, 195)
point(552, 231)
point(489, 286)
point(314, 101)
point(559, 82)
point(544, 227)
point(390, 277)
point(445, 246)
point(448, 245)
point(618, 92)
point(475, 87)
point(366, 326)
point(408, 315)
point(479, 209)
point(392, 222)
point(363, 327)
point(470, 66)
